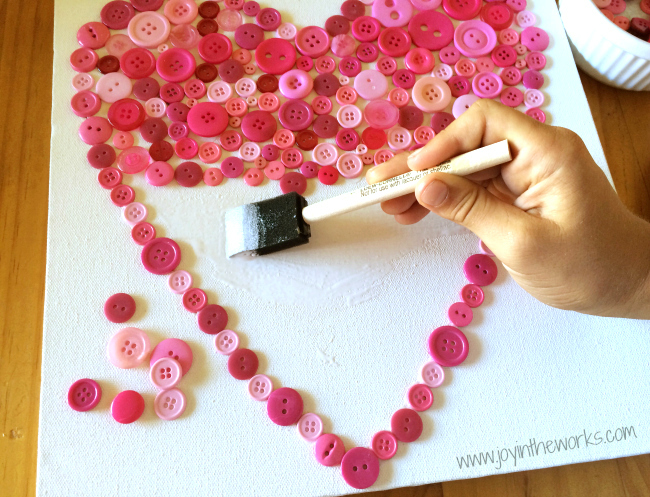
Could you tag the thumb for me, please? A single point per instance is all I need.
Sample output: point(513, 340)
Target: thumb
point(464, 202)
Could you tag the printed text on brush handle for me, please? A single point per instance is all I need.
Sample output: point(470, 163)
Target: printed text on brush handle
point(403, 179)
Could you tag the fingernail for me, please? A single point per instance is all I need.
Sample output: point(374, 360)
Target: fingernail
point(434, 193)
point(413, 155)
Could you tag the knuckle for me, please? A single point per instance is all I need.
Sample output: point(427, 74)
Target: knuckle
point(467, 206)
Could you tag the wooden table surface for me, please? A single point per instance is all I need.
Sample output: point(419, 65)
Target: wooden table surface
point(623, 122)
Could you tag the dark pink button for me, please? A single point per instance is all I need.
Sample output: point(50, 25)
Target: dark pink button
point(326, 84)
point(231, 71)
point(284, 406)
point(215, 48)
point(259, 126)
point(360, 467)
point(161, 151)
point(460, 314)
point(249, 36)
point(142, 232)
point(122, 195)
point(309, 169)
point(176, 349)
point(504, 56)
point(480, 269)
point(448, 346)
point(188, 174)
point(85, 103)
point(512, 97)
point(126, 114)
point(403, 78)
point(119, 308)
point(171, 93)
point(270, 152)
point(533, 79)
point(440, 120)
point(462, 10)
point(194, 299)
point(394, 42)
point(84, 394)
point(349, 66)
point(431, 30)
point(101, 156)
point(177, 111)
point(293, 182)
point(295, 115)
point(497, 15)
point(459, 86)
point(127, 407)
point(367, 52)
point(326, 126)
point(146, 5)
point(177, 131)
point(117, 14)
point(347, 139)
point(366, 28)
point(373, 138)
point(176, 65)
point(337, 25)
point(472, 295)
point(138, 63)
point(268, 19)
point(329, 450)
point(212, 319)
point(146, 88)
point(242, 365)
point(161, 256)
point(232, 167)
point(153, 130)
point(406, 425)
point(352, 9)
point(207, 119)
point(410, 117)
point(275, 56)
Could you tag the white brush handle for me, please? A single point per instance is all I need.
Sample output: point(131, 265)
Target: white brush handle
point(465, 164)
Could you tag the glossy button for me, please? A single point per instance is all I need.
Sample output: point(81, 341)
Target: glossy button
point(176, 65)
point(460, 314)
point(119, 308)
point(406, 425)
point(275, 56)
point(181, 11)
point(212, 318)
point(295, 115)
point(329, 450)
point(148, 29)
point(169, 404)
point(360, 466)
point(535, 39)
point(472, 295)
point(165, 373)
point(95, 130)
point(448, 346)
point(128, 348)
point(161, 256)
point(381, 114)
point(462, 10)
point(84, 59)
point(420, 397)
point(480, 269)
point(113, 86)
point(487, 85)
point(142, 232)
point(431, 94)
point(394, 42)
point(226, 342)
point(260, 387)
point(296, 84)
point(431, 30)
point(242, 365)
point(207, 119)
point(371, 84)
point(93, 35)
point(215, 48)
point(384, 444)
point(122, 195)
point(84, 394)
point(310, 427)
point(284, 406)
point(126, 114)
point(85, 103)
point(268, 19)
point(312, 41)
point(475, 38)
point(127, 407)
point(432, 374)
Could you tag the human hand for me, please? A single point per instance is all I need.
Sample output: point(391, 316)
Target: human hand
point(549, 215)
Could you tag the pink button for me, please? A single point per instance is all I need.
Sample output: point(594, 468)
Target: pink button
point(371, 84)
point(431, 94)
point(386, 65)
point(366, 28)
point(512, 97)
point(487, 85)
point(423, 135)
point(127, 407)
point(226, 342)
point(176, 65)
point(504, 56)
point(394, 42)
point(95, 130)
point(161, 256)
point(533, 98)
point(399, 138)
point(175, 348)
point(283, 139)
point(126, 114)
point(511, 76)
point(253, 177)
point(536, 61)
point(85, 103)
point(325, 64)
point(432, 374)
point(350, 165)
point(155, 107)
point(312, 41)
point(169, 404)
point(122, 195)
point(459, 86)
point(305, 63)
point(159, 173)
point(384, 445)
point(509, 37)
point(291, 158)
point(322, 105)
point(392, 13)
point(497, 15)
point(406, 425)
point(181, 11)
point(516, 5)
point(295, 115)
point(134, 213)
point(186, 148)
point(399, 97)
point(480, 269)
point(113, 86)
point(462, 104)
point(329, 450)
point(382, 156)
point(212, 176)
point(526, 18)
point(310, 427)
point(343, 45)
point(349, 116)
point(84, 394)
point(128, 348)
point(118, 45)
point(249, 151)
point(82, 81)
point(242, 364)
point(122, 140)
point(179, 281)
point(537, 114)
point(293, 182)
point(448, 346)
point(119, 308)
point(215, 48)
point(84, 59)
point(165, 373)
point(149, 29)
point(236, 107)
point(449, 54)
point(207, 119)
point(443, 71)
point(229, 20)
point(268, 19)
point(184, 36)
point(325, 154)
point(138, 63)
point(420, 397)
point(260, 387)
point(275, 56)
point(360, 466)
point(309, 169)
point(472, 295)
point(109, 178)
point(93, 35)
point(284, 406)
point(423, 24)
point(101, 156)
point(345, 95)
point(274, 170)
point(296, 84)
point(287, 31)
point(475, 38)
point(419, 60)
point(535, 39)
point(381, 114)
point(462, 9)
point(460, 314)
point(133, 160)
point(194, 300)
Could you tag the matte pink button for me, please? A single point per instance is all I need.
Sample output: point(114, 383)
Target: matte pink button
point(260, 387)
point(122, 195)
point(127, 407)
point(109, 178)
point(146, 5)
point(360, 467)
point(119, 308)
point(512, 97)
point(504, 56)
point(161, 256)
point(480, 269)
point(194, 300)
point(95, 130)
point(142, 232)
point(274, 170)
point(462, 104)
point(180, 281)
point(312, 41)
point(101, 156)
point(371, 84)
point(382, 156)
point(448, 346)
point(138, 63)
point(462, 9)
point(394, 42)
point(310, 427)
point(284, 406)
point(309, 169)
point(165, 373)
point(181, 11)
point(93, 35)
point(212, 176)
point(85, 103)
point(293, 182)
point(283, 139)
point(381, 114)
point(475, 38)
point(155, 107)
point(472, 295)
point(329, 450)
point(535, 39)
point(349, 116)
point(226, 342)
point(537, 114)
point(449, 54)
point(236, 107)
point(423, 135)
point(432, 374)
point(295, 115)
point(406, 425)
point(384, 445)
point(398, 138)
point(536, 61)
point(268, 102)
point(82, 81)
point(215, 48)
point(84, 394)
point(118, 45)
point(465, 68)
point(84, 59)
point(423, 24)
point(169, 404)
point(242, 364)
point(420, 397)
point(487, 85)
point(128, 348)
point(122, 140)
point(511, 76)
point(287, 31)
point(113, 86)
point(460, 314)
point(291, 158)
point(159, 173)
point(212, 319)
point(431, 94)
point(149, 29)
point(176, 65)
point(419, 60)
point(399, 97)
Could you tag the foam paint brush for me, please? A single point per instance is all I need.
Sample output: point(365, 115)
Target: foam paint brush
point(284, 222)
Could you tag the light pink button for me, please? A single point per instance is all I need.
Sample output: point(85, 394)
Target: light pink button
point(399, 138)
point(423, 135)
point(283, 139)
point(249, 151)
point(159, 173)
point(212, 176)
point(226, 342)
point(349, 116)
point(118, 45)
point(260, 387)
point(128, 348)
point(148, 29)
point(371, 84)
point(82, 81)
point(432, 374)
point(344, 80)
point(155, 107)
point(274, 170)
point(287, 31)
point(350, 165)
point(431, 94)
point(533, 98)
point(343, 45)
point(384, 443)
point(487, 85)
point(443, 71)
point(393, 13)
point(179, 281)
point(484, 64)
point(245, 87)
point(184, 36)
point(134, 213)
point(165, 373)
point(268, 102)
point(322, 105)
point(229, 20)
point(325, 154)
point(383, 155)
point(462, 104)
point(113, 86)
point(310, 426)
point(296, 84)
point(398, 97)
point(420, 397)
point(525, 19)
point(181, 11)
point(169, 404)
point(219, 92)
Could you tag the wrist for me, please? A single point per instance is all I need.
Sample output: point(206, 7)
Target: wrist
point(638, 305)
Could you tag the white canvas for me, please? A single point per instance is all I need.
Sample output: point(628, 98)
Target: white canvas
point(343, 320)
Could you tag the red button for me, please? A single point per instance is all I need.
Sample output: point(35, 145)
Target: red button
point(406, 425)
